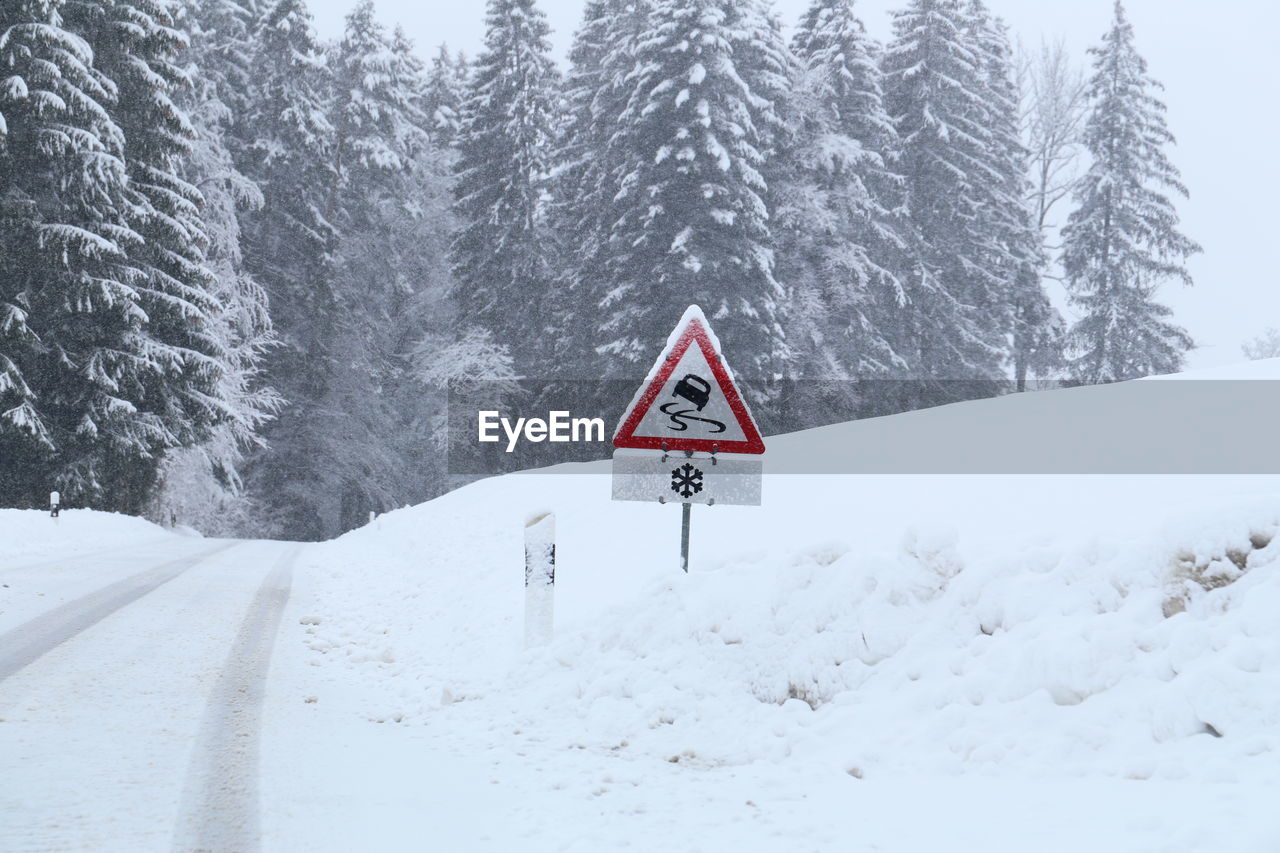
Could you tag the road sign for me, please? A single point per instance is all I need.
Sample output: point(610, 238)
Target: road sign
point(689, 401)
point(697, 478)
point(687, 436)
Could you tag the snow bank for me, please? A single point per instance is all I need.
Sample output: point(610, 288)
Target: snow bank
point(1044, 627)
point(1154, 653)
point(30, 535)
point(1264, 368)
point(905, 663)
point(1050, 660)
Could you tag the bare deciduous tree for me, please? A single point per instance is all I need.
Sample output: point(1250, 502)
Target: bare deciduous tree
point(1053, 92)
point(1266, 345)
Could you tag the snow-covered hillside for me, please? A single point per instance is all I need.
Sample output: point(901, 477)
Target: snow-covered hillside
point(864, 662)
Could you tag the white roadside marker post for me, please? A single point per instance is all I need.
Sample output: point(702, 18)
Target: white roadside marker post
point(55, 504)
point(539, 578)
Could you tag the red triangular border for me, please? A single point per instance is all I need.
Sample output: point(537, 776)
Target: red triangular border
point(626, 437)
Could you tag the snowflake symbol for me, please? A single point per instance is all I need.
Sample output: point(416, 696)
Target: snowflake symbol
point(686, 481)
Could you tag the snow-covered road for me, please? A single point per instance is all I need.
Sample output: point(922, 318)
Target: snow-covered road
point(131, 682)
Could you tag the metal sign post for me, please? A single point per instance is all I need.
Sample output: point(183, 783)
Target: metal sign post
point(686, 510)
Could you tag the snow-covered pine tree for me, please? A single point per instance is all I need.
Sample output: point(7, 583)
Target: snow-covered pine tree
point(379, 133)
point(767, 65)
point(222, 49)
point(375, 131)
point(1016, 252)
point(136, 45)
point(283, 143)
point(839, 231)
point(832, 41)
point(443, 94)
point(201, 486)
point(109, 361)
point(587, 173)
point(408, 74)
point(499, 254)
point(400, 253)
point(690, 216)
point(1122, 240)
point(65, 305)
point(935, 90)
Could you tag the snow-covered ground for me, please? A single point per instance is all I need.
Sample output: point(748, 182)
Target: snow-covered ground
point(830, 652)
point(865, 662)
point(29, 537)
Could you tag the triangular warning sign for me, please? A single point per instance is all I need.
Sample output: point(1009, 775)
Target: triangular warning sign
point(689, 400)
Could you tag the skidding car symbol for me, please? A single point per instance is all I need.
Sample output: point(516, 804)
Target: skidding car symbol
point(696, 390)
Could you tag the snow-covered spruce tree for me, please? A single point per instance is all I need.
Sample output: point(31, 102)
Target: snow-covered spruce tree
point(378, 135)
point(222, 50)
point(65, 305)
point(110, 360)
point(837, 223)
point(587, 173)
point(375, 133)
point(409, 247)
point(408, 75)
point(767, 66)
point(1016, 252)
point(831, 42)
point(399, 339)
point(283, 143)
point(936, 91)
point(136, 45)
point(1122, 240)
point(690, 220)
point(443, 93)
point(201, 485)
point(499, 253)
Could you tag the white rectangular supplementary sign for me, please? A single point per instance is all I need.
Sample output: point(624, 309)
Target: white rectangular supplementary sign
point(700, 478)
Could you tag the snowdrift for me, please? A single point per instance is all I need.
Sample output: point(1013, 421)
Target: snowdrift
point(31, 535)
point(862, 626)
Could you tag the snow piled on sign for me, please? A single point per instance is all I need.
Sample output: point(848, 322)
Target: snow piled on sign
point(693, 312)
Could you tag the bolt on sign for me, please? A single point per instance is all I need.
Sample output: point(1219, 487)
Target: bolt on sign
point(687, 436)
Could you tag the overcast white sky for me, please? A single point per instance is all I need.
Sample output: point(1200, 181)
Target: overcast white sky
point(1217, 61)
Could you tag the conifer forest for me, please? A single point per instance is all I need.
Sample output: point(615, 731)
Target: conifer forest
point(241, 267)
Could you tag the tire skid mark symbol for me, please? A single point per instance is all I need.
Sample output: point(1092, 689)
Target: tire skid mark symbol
point(681, 417)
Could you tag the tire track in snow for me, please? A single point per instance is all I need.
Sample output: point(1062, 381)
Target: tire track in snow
point(220, 801)
point(35, 637)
